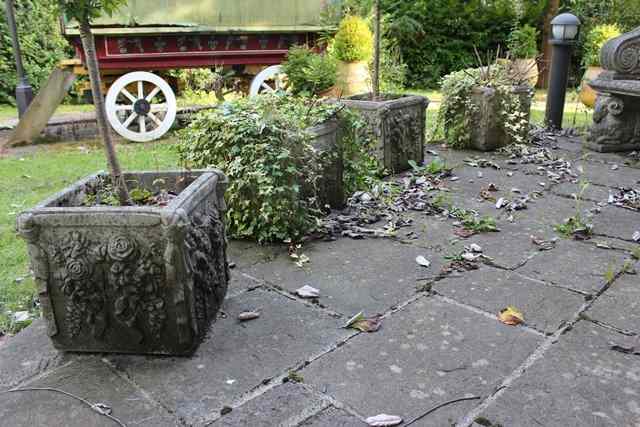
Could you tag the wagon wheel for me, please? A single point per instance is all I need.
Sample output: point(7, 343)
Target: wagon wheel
point(141, 106)
point(270, 80)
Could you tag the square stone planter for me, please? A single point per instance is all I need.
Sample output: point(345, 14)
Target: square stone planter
point(396, 124)
point(326, 140)
point(488, 132)
point(146, 280)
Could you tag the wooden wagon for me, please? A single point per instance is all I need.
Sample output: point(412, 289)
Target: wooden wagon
point(146, 37)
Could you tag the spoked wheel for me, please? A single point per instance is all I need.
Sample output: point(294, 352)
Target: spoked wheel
point(141, 106)
point(270, 80)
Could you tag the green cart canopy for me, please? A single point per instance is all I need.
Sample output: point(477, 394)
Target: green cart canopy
point(223, 16)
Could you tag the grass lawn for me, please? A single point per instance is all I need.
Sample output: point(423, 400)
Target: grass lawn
point(30, 178)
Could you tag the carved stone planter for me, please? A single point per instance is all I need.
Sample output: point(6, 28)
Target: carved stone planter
point(397, 125)
point(488, 132)
point(144, 280)
point(616, 118)
point(326, 140)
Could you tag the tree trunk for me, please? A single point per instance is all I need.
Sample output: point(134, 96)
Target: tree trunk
point(552, 10)
point(88, 43)
point(376, 53)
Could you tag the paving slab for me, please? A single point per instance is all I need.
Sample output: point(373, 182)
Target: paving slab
point(333, 417)
point(240, 283)
point(593, 193)
point(288, 404)
point(619, 306)
point(245, 254)
point(236, 357)
point(580, 382)
point(617, 222)
point(426, 354)
point(544, 307)
point(92, 380)
point(608, 175)
point(28, 354)
point(371, 275)
point(575, 265)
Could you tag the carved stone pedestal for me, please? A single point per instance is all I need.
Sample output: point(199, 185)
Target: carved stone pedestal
point(616, 119)
point(131, 279)
point(396, 124)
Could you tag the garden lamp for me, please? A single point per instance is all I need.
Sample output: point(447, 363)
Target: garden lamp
point(24, 92)
point(565, 29)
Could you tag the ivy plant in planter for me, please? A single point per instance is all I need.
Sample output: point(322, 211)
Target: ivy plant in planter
point(128, 262)
point(287, 159)
point(484, 108)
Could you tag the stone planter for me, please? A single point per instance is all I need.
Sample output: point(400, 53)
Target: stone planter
point(326, 140)
point(353, 78)
point(144, 280)
point(525, 70)
point(587, 94)
point(488, 133)
point(396, 124)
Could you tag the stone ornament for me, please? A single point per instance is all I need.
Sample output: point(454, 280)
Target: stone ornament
point(622, 54)
point(616, 118)
point(133, 279)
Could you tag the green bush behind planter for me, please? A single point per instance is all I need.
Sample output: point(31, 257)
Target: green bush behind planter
point(264, 145)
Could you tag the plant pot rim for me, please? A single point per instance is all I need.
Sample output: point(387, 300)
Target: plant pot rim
point(183, 199)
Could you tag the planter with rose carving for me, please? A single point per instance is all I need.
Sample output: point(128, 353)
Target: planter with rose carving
point(140, 279)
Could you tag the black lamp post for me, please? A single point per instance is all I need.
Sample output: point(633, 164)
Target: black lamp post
point(24, 92)
point(565, 32)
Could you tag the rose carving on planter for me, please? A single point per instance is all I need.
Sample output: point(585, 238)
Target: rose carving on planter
point(120, 248)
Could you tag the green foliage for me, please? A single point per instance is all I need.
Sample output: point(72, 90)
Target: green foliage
point(354, 40)
point(42, 45)
point(459, 113)
point(437, 37)
point(594, 41)
point(309, 73)
point(263, 146)
point(89, 10)
point(523, 42)
point(471, 221)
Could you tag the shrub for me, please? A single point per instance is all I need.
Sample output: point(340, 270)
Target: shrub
point(596, 38)
point(42, 45)
point(457, 114)
point(354, 40)
point(262, 145)
point(523, 42)
point(309, 73)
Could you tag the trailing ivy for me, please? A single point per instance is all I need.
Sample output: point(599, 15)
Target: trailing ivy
point(263, 145)
point(459, 113)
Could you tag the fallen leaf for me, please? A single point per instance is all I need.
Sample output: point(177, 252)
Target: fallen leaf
point(362, 324)
point(248, 315)
point(423, 261)
point(308, 292)
point(384, 420)
point(465, 233)
point(475, 248)
point(636, 236)
point(545, 245)
point(502, 202)
point(511, 316)
point(468, 256)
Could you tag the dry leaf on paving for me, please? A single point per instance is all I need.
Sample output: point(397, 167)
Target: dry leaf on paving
point(308, 292)
point(423, 261)
point(465, 233)
point(248, 315)
point(362, 324)
point(511, 316)
point(384, 420)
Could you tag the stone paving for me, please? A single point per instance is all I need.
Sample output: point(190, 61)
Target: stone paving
point(574, 362)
